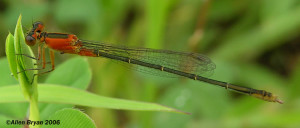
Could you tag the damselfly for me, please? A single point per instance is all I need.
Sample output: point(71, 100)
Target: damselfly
point(185, 64)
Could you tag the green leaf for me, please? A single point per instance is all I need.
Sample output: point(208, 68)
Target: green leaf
point(23, 63)
point(10, 54)
point(70, 118)
point(65, 95)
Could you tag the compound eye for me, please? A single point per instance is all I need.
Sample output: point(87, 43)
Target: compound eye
point(38, 26)
point(30, 40)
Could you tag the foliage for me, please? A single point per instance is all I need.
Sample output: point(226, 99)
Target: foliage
point(253, 43)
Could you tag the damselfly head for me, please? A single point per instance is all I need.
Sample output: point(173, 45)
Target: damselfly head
point(37, 28)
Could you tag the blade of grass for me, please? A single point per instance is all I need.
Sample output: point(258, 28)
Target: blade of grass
point(10, 54)
point(65, 95)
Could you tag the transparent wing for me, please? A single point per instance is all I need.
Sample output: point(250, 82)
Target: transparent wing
point(182, 61)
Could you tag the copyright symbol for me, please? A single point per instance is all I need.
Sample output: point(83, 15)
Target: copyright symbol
point(7, 122)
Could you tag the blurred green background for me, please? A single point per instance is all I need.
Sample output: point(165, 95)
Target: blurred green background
point(254, 43)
